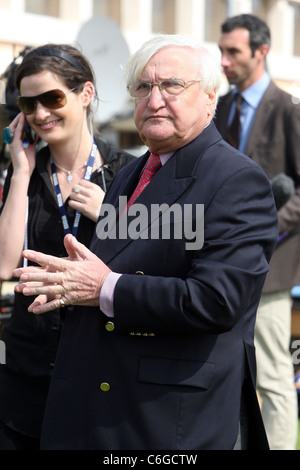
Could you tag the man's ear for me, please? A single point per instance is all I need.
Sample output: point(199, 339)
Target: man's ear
point(211, 102)
point(263, 50)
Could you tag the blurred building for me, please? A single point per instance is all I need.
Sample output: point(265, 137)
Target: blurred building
point(31, 22)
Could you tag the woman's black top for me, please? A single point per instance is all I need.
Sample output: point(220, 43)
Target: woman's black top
point(31, 340)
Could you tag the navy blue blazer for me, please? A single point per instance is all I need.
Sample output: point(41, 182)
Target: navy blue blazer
point(168, 371)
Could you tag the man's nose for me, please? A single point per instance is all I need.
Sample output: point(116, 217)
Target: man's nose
point(225, 60)
point(156, 96)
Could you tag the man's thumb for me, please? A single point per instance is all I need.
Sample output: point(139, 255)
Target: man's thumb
point(75, 249)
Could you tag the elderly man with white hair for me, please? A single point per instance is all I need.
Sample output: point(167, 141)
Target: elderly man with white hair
point(157, 350)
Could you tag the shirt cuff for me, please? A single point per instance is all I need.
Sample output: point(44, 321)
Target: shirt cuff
point(107, 294)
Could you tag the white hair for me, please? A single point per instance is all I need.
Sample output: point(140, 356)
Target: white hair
point(205, 63)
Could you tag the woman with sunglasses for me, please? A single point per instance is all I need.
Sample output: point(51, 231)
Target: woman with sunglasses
point(48, 192)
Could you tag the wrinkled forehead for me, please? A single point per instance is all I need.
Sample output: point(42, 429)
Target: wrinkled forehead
point(172, 61)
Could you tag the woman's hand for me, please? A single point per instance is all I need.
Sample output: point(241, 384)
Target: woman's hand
point(87, 197)
point(23, 159)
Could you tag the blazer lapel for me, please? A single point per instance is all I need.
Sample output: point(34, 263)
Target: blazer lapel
point(163, 191)
point(222, 113)
point(166, 188)
point(263, 115)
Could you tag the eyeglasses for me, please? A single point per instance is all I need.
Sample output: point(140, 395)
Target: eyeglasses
point(53, 99)
point(170, 87)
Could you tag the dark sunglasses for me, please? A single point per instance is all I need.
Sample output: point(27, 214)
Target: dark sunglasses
point(53, 99)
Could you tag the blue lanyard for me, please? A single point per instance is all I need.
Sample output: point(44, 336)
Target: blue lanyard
point(60, 202)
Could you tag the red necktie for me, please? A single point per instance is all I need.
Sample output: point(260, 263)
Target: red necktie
point(233, 134)
point(152, 166)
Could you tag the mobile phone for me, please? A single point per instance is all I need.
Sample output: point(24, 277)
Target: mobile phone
point(28, 132)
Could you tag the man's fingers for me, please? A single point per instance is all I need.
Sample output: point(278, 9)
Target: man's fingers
point(41, 305)
point(77, 250)
point(18, 271)
point(19, 287)
point(44, 260)
point(33, 288)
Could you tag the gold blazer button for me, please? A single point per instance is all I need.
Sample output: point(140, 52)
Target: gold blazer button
point(105, 387)
point(109, 326)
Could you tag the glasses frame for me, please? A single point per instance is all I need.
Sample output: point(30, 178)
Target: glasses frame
point(182, 83)
point(31, 101)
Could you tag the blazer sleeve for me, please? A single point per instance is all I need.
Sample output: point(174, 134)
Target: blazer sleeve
point(274, 143)
point(289, 215)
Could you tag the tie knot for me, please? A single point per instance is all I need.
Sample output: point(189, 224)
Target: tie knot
point(153, 159)
point(153, 164)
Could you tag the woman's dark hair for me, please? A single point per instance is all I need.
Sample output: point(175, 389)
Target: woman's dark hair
point(63, 60)
point(259, 32)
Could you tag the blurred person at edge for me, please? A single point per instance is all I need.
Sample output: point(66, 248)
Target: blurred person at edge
point(58, 90)
point(166, 357)
point(270, 135)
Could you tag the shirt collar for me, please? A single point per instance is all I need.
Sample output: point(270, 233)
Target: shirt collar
point(165, 157)
point(254, 93)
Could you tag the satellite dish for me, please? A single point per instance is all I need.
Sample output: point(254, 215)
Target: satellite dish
point(103, 44)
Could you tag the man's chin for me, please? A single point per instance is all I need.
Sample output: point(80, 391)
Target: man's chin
point(156, 134)
point(231, 80)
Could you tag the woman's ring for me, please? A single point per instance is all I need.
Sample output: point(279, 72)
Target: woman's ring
point(77, 189)
point(62, 303)
point(7, 135)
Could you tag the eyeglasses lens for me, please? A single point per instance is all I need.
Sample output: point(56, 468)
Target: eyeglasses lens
point(170, 87)
point(53, 99)
point(140, 89)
